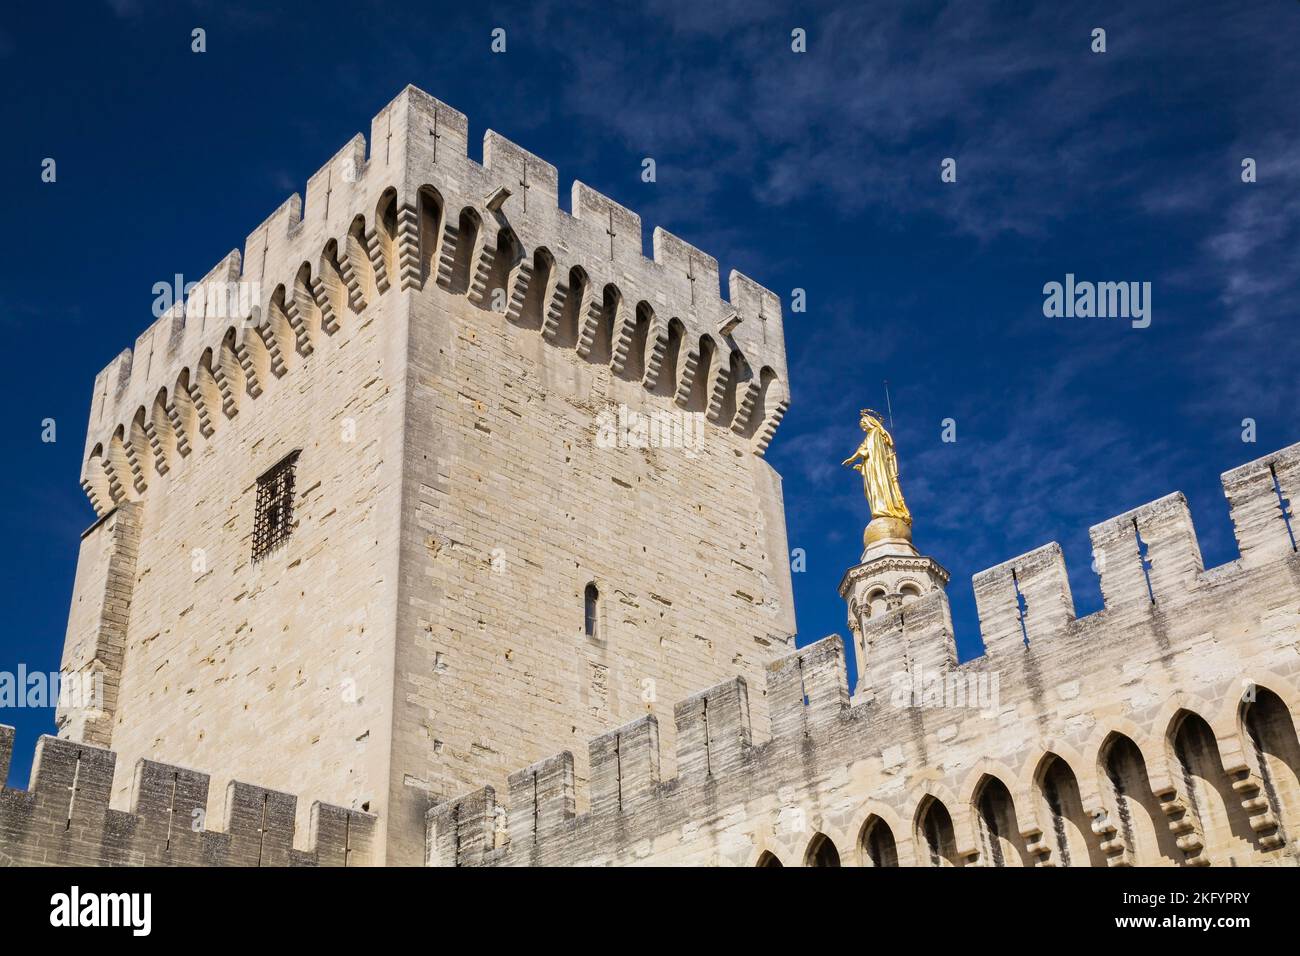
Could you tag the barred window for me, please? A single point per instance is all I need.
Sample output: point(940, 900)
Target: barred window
point(273, 520)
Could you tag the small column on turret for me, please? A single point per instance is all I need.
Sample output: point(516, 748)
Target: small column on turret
point(891, 572)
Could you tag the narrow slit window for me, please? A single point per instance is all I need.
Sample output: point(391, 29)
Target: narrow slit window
point(273, 520)
point(591, 606)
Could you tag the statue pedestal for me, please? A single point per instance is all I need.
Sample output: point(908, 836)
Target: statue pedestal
point(887, 536)
point(891, 574)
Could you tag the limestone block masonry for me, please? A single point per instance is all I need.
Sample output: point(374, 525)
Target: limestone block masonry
point(64, 818)
point(495, 583)
point(1160, 730)
point(445, 348)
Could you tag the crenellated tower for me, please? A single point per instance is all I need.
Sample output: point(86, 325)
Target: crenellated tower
point(438, 491)
point(430, 480)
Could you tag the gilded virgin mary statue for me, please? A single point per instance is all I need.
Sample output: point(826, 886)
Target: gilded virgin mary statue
point(878, 463)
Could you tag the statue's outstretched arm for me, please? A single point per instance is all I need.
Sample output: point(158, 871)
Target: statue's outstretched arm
point(860, 453)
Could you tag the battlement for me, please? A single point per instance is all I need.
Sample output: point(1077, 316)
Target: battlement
point(1111, 694)
point(410, 211)
point(1172, 640)
point(1148, 561)
point(63, 818)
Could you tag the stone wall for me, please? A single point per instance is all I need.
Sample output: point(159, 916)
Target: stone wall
point(64, 819)
point(517, 508)
point(95, 644)
point(1159, 730)
point(277, 670)
point(536, 340)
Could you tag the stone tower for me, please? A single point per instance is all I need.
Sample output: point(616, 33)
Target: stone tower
point(433, 480)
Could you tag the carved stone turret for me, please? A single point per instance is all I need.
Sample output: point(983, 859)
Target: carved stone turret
point(891, 574)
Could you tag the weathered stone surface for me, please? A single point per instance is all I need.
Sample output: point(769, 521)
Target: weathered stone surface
point(63, 818)
point(469, 462)
point(1158, 731)
point(500, 409)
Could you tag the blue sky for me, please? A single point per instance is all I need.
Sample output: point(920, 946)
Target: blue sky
point(817, 171)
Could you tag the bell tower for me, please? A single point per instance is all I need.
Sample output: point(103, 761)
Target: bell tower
point(891, 572)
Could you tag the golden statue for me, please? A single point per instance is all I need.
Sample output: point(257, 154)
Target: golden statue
point(878, 463)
